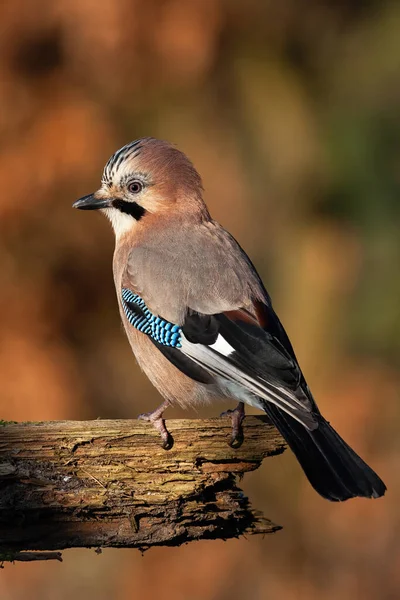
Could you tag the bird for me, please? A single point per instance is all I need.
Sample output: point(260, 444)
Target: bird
point(199, 319)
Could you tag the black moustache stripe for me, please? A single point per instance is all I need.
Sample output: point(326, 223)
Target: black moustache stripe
point(130, 208)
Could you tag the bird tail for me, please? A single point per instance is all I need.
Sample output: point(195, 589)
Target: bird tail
point(334, 470)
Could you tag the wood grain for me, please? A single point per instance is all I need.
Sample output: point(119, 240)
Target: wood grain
point(109, 483)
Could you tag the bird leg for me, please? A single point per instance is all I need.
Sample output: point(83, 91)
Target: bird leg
point(237, 415)
point(156, 419)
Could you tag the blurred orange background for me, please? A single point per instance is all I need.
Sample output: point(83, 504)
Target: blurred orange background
point(290, 111)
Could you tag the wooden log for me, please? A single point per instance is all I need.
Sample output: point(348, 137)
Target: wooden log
point(105, 483)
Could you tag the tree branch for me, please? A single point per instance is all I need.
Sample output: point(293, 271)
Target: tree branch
point(109, 483)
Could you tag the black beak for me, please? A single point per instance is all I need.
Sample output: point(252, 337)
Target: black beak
point(89, 202)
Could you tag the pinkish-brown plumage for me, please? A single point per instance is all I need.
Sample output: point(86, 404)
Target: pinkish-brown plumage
point(198, 317)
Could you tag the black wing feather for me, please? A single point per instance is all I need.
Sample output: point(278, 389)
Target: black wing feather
point(200, 329)
point(333, 468)
point(258, 348)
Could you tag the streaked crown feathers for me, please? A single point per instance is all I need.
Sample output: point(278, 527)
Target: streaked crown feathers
point(157, 159)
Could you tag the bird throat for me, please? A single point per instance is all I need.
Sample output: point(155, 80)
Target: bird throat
point(130, 208)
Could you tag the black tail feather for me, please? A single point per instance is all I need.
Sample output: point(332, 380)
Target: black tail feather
point(334, 470)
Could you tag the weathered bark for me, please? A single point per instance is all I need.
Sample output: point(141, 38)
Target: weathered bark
point(109, 483)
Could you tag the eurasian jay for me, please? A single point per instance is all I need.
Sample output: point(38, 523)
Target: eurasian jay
point(199, 319)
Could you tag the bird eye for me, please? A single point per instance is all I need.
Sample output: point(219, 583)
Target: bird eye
point(134, 187)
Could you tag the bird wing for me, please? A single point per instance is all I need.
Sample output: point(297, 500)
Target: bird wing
point(246, 354)
point(228, 330)
point(196, 266)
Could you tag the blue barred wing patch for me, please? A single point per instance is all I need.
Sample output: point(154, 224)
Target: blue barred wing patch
point(140, 317)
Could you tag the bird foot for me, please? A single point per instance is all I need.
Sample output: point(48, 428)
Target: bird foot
point(237, 416)
point(156, 419)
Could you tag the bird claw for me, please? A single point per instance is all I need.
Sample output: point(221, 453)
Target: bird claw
point(155, 418)
point(167, 441)
point(237, 415)
point(237, 439)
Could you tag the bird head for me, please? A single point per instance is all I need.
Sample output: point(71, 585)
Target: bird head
point(146, 177)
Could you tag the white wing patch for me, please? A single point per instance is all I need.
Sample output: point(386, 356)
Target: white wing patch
point(216, 362)
point(221, 346)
